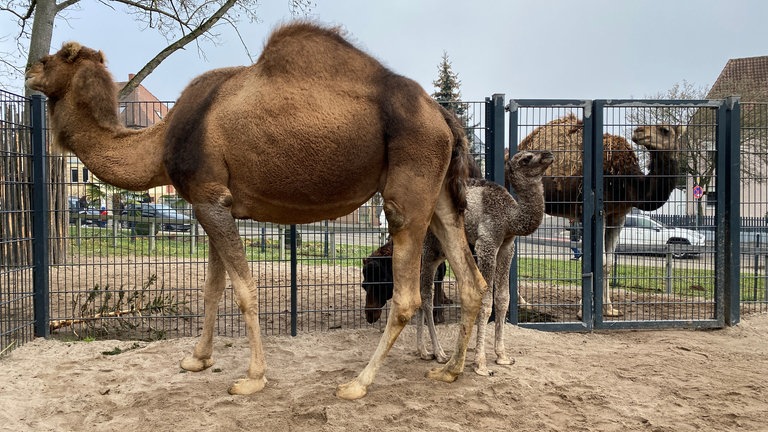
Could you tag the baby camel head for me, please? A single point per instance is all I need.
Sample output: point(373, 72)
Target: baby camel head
point(527, 165)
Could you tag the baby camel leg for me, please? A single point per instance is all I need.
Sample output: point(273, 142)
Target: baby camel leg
point(218, 222)
point(501, 299)
point(430, 262)
point(448, 227)
point(214, 287)
point(486, 260)
point(405, 301)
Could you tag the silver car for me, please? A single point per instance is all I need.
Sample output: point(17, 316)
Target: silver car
point(643, 235)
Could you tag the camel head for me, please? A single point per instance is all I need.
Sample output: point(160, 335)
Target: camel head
point(81, 92)
point(527, 165)
point(659, 137)
point(53, 74)
point(378, 285)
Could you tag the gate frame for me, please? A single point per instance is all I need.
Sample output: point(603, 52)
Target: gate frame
point(726, 296)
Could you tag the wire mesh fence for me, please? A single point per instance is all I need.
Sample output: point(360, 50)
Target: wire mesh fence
point(133, 265)
point(16, 264)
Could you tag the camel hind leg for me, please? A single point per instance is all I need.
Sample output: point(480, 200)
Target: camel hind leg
point(448, 226)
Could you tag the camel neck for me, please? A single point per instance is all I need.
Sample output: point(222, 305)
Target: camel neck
point(526, 217)
point(128, 159)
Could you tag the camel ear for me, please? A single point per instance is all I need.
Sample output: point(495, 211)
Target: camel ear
point(102, 58)
point(70, 50)
point(680, 130)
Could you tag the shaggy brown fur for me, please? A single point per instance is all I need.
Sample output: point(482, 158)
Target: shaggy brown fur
point(493, 220)
point(309, 132)
point(377, 283)
point(625, 185)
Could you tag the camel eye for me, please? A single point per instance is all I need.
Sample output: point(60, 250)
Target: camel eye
point(665, 131)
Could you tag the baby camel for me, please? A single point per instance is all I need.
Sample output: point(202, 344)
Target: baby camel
point(492, 221)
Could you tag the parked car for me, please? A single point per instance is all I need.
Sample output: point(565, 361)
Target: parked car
point(643, 235)
point(86, 215)
point(172, 220)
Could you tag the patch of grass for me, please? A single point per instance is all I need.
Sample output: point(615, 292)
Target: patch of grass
point(118, 350)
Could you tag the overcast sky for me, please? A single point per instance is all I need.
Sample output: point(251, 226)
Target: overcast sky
point(587, 49)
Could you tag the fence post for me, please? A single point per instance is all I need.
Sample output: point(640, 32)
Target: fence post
point(494, 138)
point(294, 282)
point(729, 167)
point(40, 217)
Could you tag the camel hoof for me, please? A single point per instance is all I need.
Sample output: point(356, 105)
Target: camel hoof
point(195, 365)
point(611, 312)
point(247, 386)
point(442, 374)
point(351, 390)
point(426, 356)
point(483, 371)
point(504, 360)
point(442, 359)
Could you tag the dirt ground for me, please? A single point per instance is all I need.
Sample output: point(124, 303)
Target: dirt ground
point(670, 380)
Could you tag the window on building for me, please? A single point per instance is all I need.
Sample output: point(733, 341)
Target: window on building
point(74, 175)
point(711, 198)
point(85, 174)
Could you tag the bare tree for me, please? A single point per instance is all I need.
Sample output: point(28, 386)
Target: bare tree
point(181, 22)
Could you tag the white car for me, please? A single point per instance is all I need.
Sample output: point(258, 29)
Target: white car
point(643, 235)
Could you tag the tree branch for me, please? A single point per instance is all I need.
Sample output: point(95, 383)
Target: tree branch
point(175, 46)
point(151, 9)
point(65, 4)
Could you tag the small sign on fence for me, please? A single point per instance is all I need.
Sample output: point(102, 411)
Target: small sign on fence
point(698, 192)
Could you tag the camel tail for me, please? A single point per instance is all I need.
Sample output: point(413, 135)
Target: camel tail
point(461, 162)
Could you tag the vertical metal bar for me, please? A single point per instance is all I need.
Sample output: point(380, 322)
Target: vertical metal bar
point(593, 221)
point(498, 138)
point(294, 283)
point(514, 121)
point(498, 162)
point(40, 218)
point(730, 170)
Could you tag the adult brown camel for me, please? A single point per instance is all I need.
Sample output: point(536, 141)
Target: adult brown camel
point(309, 132)
point(624, 185)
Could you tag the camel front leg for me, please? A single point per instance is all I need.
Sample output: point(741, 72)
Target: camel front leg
point(406, 263)
point(611, 240)
point(448, 227)
point(501, 299)
point(214, 287)
point(486, 260)
point(222, 231)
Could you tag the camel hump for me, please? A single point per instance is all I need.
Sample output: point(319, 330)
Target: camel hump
point(186, 125)
point(302, 49)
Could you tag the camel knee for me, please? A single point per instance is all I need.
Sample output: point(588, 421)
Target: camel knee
point(245, 302)
point(395, 217)
point(403, 313)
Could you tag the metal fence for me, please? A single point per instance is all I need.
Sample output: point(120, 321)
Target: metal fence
point(17, 314)
point(127, 274)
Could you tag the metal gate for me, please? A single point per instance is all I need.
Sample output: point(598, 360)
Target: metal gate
point(658, 275)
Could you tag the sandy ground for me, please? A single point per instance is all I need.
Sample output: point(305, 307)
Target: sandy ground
point(624, 381)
